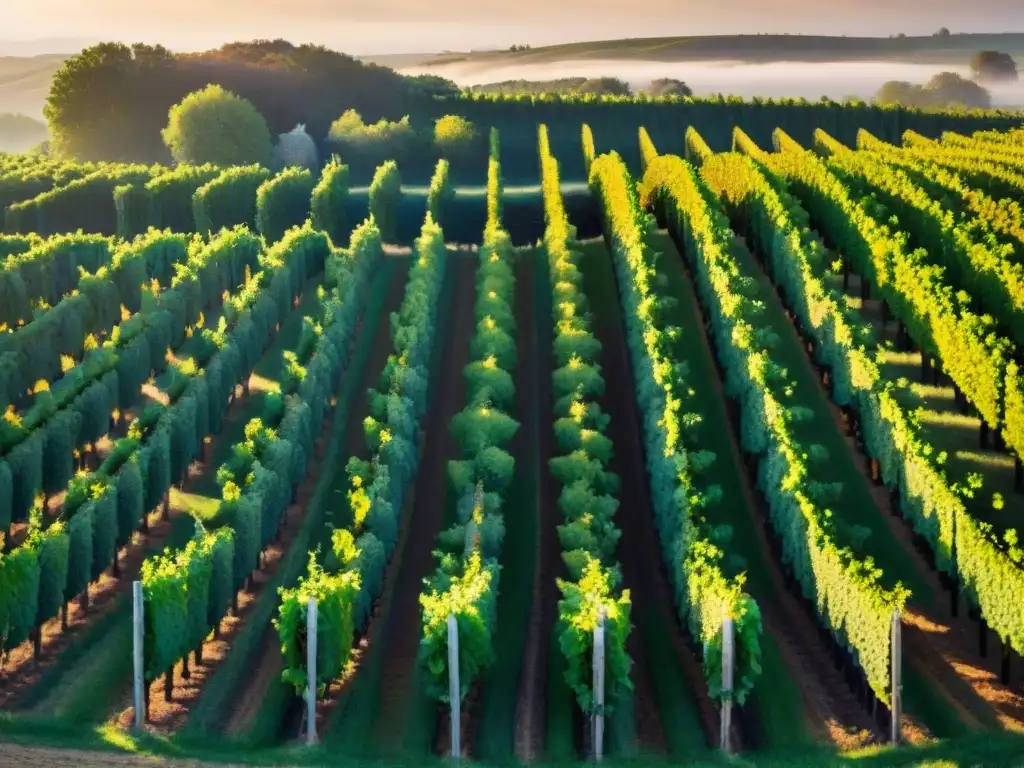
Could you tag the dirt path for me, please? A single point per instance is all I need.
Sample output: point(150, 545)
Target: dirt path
point(656, 625)
point(399, 642)
point(49, 757)
point(267, 663)
point(533, 450)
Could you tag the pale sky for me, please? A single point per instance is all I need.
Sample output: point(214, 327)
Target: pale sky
point(420, 26)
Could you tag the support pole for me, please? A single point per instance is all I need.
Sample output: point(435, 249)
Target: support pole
point(454, 686)
point(597, 723)
point(897, 675)
point(728, 656)
point(138, 657)
point(311, 671)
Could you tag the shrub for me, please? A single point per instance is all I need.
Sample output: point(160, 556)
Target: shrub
point(216, 126)
point(283, 202)
point(454, 136)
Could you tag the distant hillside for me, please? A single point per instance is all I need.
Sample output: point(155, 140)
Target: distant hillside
point(25, 82)
point(19, 133)
point(951, 49)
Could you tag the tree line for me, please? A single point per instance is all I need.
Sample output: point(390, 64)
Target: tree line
point(111, 101)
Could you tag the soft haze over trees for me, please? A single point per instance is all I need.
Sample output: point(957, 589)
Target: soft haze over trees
point(946, 89)
point(993, 67)
point(20, 132)
point(668, 86)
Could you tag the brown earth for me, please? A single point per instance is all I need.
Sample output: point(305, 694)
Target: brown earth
point(400, 636)
point(536, 365)
point(638, 548)
point(47, 757)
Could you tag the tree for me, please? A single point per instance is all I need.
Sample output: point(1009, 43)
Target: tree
point(216, 126)
point(611, 86)
point(96, 96)
point(944, 90)
point(949, 89)
point(669, 86)
point(943, 32)
point(901, 92)
point(993, 66)
point(110, 102)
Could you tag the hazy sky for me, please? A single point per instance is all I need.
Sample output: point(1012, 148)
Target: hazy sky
point(417, 26)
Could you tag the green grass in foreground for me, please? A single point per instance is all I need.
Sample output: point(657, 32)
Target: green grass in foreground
point(1002, 750)
point(354, 724)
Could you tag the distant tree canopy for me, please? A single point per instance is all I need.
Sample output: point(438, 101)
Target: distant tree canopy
point(216, 126)
point(432, 85)
point(667, 86)
point(601, 86)
point(111, 101)
point(20, 132)
point(454, 135)
point(607, 86)
point(993, 67)
point(946, 89)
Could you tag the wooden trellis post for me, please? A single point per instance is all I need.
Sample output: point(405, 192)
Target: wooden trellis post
point(597, 720)
point(728, 665)
point(454, 692)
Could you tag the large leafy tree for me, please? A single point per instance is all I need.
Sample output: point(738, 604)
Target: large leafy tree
point(100, 88)
point(216, 126)
point(993, 66)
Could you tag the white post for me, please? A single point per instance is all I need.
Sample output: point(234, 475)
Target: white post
point(454, 687)
point(897, 675)
point(597, 723)
point(728, 654)
point(311, 672)
point(138, 657)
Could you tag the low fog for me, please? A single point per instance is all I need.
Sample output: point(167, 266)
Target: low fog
point(836, 80)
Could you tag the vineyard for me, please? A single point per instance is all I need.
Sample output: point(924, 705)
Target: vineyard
point(682, 452)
